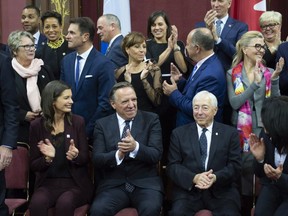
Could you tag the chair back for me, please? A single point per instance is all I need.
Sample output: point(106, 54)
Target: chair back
point(17, 173)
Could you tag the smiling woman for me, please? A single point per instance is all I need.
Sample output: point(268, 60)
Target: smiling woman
point(56, 47)
point(31, 76)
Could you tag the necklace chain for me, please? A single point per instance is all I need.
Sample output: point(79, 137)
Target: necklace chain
point(56, 44)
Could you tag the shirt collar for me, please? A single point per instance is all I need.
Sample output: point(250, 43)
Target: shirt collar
point(113, 39)
point(86, 53)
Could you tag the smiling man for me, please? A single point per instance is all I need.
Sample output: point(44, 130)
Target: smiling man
point(30, 20)
point(127, 150)
point(109, 31)
point(204, 163)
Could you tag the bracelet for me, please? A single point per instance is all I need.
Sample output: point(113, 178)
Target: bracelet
point(48, 159)
point(177, 49)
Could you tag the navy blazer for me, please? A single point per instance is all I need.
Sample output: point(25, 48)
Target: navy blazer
point(184, 161)
point(78, 167)
point(115, 53)
point(231, 33)
point(210, 77)
point(141, 170)
point(91, 98)
point(40, 44)
point(8, 104)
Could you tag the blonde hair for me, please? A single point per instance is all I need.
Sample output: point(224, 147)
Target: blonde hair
point(270, 16)
point(244, 41)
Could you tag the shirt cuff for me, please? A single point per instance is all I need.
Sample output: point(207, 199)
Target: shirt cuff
point(133, 154)
point(118, 160)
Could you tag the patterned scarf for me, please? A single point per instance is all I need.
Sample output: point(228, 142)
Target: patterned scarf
point(244, 122)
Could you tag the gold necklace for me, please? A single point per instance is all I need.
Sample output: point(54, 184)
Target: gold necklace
point(56, 44)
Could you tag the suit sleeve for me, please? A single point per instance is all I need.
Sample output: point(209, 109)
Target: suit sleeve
point(184, 102)
point(231, 172)
point(179, 173)
point(150, 149)
point(9, 104)
point(105, 82)
point(103, 156)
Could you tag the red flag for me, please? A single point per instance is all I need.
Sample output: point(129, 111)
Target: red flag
point(248, 11)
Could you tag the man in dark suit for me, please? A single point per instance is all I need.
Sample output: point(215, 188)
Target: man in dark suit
point(127, 163)
point(208, 74)
point(109, 30)
point(225, 37)
point(283, 78)
point(204, 163)
point(229, 32)
point(30, 20)
point(8, 123)
point(88, 72)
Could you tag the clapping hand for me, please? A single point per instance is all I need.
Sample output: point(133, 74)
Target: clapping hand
point(72, 152)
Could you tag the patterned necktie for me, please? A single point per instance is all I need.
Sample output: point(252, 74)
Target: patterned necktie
point(203, 147)
point(126, 127)
point(218, 27)
point(107, 50)
point(77, 70)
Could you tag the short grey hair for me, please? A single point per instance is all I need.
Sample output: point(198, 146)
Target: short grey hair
point(205, 93)
point(270, 16)
point(14, 40)
point(111, 18)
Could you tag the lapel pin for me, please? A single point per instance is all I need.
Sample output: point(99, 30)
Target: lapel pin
point(43, 76)
point(68, 136)
point(216, 133)
point(230, 25)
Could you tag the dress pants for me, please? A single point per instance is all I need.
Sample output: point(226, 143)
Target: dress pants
point(108, 202)
point(3, 206)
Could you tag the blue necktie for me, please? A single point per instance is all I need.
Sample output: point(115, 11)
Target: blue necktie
point(203, 147)
point(218, 27)
point(77, 70)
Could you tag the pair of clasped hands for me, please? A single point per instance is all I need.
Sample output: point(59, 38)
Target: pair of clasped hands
point(126, 145)
point(48, 150)
point(257, 148)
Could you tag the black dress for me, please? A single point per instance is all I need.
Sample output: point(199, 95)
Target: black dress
point(143, 102)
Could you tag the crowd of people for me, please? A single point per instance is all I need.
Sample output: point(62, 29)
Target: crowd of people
point(196, 121)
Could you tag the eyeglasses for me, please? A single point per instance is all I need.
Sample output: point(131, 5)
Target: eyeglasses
point(270, 26)
point(258, 47)
point(28, 47)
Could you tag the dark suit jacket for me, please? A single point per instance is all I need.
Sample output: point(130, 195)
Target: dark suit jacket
point(8, 104)
point(116, 54)
point(283, 79)
point(211, 77)
point(53, 57)
point(78, 167)
point(269, 158)
point(44, 77)
point(140, 171)
point(231, 33)
point(40, 44)
point(91, 98)
point(224, 159)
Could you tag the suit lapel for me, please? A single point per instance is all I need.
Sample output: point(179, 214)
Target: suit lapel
point(86, 68)
point(227, 27)
point(195, 144)
point(215, 142)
